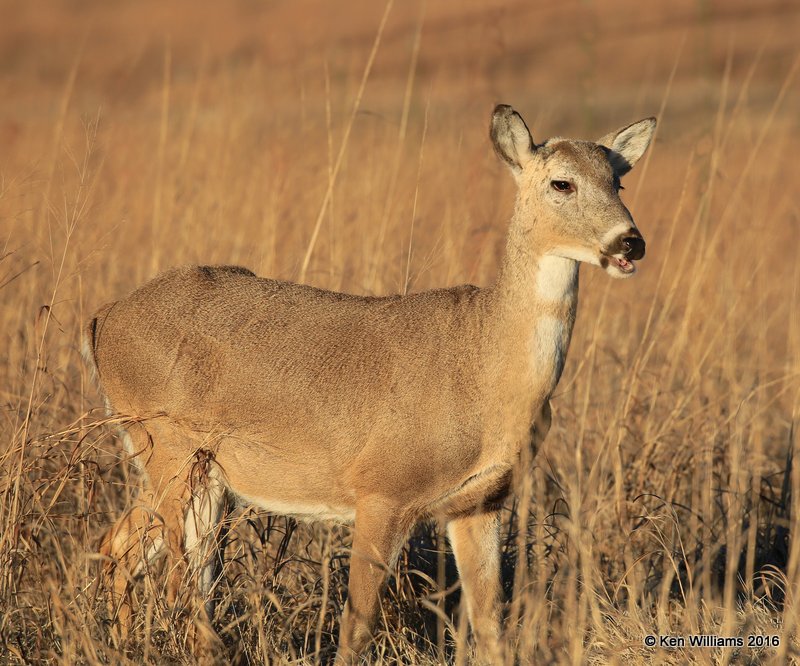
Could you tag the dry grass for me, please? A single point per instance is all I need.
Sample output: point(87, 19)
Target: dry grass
point(137, 136)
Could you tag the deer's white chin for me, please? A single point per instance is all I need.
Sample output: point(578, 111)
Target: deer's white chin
point(618, 267)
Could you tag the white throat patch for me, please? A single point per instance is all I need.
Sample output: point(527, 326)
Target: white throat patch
point(555, 278)
point(549, 350)
point(556, 283)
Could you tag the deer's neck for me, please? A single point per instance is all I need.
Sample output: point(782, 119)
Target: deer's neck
point(536, 296)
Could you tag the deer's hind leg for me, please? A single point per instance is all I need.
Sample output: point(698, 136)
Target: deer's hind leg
point(145, 534)
point(207, 506)
point(176, 520)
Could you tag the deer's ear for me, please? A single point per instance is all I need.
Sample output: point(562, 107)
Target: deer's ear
point(628, 144)
point(510, 137)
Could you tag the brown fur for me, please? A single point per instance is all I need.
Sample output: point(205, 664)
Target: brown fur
point(386, 409)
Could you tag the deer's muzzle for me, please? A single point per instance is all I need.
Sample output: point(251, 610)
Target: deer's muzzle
point(633, 246)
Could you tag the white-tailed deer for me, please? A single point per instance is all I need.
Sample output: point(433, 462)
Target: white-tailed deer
point(381, 411)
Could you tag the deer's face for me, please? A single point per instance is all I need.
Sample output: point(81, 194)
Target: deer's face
point(569, 191)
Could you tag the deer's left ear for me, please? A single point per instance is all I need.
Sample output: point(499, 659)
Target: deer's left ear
point(628, 144)
point(511, 138)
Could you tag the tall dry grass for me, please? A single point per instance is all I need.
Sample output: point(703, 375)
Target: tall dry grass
point(301, 140)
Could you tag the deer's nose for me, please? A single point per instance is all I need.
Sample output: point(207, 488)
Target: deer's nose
point(634, 247)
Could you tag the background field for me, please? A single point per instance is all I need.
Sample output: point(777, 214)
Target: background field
point(135, 136)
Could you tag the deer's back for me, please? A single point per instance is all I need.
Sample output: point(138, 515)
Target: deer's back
point(220, 346)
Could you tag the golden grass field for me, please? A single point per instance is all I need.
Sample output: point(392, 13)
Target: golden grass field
point(345, 145)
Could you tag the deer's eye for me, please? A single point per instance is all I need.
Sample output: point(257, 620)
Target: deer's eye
point(562, 186)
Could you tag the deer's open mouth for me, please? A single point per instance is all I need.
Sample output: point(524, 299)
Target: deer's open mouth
point(618, 266)
point(625, 265)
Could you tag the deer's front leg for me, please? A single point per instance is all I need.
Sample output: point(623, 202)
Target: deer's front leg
point(475, 540)
point(380, 531)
